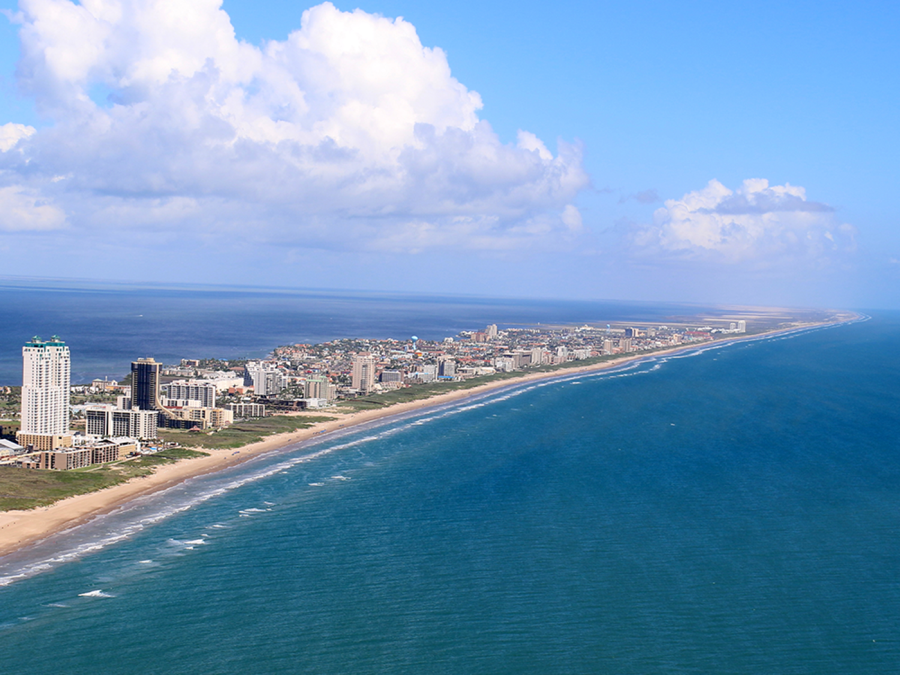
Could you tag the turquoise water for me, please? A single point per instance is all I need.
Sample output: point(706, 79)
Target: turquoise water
point(730, 511)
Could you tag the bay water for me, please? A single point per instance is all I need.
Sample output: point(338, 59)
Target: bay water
point(107, 326)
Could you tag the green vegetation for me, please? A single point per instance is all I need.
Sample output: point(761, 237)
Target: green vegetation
point(422, 391)
point(10, 401)
point(28, 489)
point(243, 433)
point(95, 397)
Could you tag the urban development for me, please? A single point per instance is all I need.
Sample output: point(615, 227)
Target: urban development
point(113, 421)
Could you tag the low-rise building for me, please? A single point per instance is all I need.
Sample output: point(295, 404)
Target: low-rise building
point(203, 418)
point(10, 449)
point(247, 409)
point(191, 390)
point(65, 459)
point(105, 420)
point(41, 442)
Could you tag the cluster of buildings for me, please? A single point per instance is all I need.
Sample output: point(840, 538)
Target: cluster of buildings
point(349, 368)
point(146, 405)
point(111, 431)
point(294, 377)
point(44, 440)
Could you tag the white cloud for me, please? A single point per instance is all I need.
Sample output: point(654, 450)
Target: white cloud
point(756, 222)
point(348, 132)
point(10, 134)
point(571, 216)
point(23, 209)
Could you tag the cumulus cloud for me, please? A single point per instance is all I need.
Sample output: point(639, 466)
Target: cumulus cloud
point(349, 132)
point(10, 134)
point(756, 222)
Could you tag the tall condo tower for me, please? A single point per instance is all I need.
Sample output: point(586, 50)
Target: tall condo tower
point(46, 368)
point(145, 384)
point(362, 377)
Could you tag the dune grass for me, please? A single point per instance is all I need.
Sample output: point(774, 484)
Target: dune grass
point(28, 488)
point(243, 433)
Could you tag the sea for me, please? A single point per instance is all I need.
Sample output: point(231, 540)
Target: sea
point(730, 509)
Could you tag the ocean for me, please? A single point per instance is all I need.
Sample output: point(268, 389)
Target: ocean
point(733, 509)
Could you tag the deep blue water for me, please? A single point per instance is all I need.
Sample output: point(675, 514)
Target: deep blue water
point(732, 511)
point(107, 327)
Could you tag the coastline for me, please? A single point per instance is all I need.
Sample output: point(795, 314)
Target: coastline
point(20, 529)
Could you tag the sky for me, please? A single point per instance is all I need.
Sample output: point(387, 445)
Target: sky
point(731, 153)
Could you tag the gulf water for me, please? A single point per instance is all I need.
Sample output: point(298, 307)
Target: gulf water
point(731, 510)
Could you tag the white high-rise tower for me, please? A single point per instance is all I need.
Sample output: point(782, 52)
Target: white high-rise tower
point(46, 368)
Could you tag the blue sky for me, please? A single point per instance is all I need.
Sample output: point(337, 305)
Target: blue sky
point(699, 151)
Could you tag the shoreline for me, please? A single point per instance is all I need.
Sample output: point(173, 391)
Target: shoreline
point(21, 529)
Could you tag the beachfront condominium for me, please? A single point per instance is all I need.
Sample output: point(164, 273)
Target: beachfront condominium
point(145, 384)
point(191, 390)
point(265, 378)
point(106, 420)
point(362, 377)
point(46, 368)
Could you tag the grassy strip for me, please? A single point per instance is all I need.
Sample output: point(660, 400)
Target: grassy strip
point(422, 391)
point(28, 489)
point(243, 433)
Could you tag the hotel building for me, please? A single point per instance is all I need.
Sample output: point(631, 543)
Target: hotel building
point(46, 368)
point(145, 384)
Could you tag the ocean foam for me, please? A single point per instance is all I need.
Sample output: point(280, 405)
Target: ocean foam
point(95, 594)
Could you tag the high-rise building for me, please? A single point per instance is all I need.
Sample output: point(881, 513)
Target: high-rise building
point(742, 326)
point(318, 387)
point(145, 384)
point(447, 368)
point(265, 378)
point(363, 374)
point(46, 368)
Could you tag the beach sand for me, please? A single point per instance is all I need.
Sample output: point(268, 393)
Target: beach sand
point(18, 529)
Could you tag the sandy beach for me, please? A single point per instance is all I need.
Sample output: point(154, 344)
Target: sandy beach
point(19, 529)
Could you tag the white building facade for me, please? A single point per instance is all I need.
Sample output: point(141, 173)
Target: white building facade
point(46, 369)
point(265, 378)
point(192, 390)
point(106, 421)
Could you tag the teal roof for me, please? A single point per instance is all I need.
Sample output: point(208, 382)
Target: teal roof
point(54, 341)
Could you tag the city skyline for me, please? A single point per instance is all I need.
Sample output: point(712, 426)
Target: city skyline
point(649, 152)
